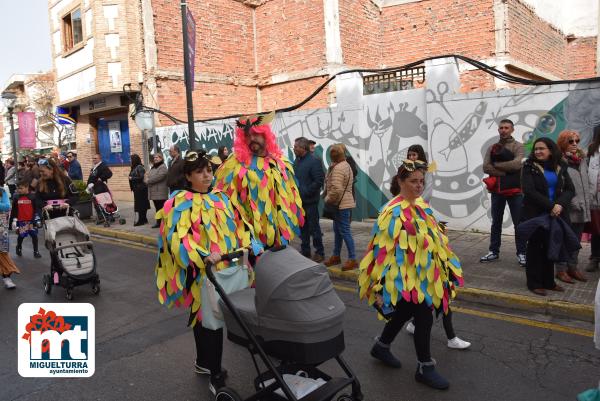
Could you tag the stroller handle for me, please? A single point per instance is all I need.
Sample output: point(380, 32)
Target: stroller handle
point(226, 257)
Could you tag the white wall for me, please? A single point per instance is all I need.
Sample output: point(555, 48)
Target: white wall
point(577, 17)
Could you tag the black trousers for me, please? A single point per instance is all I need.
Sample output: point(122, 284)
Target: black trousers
point(539, 270)
point(209, 348)
point(423, 319)
point(158, 204)
point(34, 241)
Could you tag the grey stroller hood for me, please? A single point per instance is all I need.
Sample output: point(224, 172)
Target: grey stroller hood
point(291, 288)
point(294, 309)
point(64, 224)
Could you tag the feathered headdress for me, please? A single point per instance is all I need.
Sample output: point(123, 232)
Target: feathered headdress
point(258, 124)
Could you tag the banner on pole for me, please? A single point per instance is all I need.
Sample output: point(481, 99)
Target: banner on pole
point(191, 42)
point(26, 130)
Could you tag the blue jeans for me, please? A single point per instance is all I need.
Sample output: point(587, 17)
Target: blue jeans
point(498, 205)
point(312, 228)
point(341, 228)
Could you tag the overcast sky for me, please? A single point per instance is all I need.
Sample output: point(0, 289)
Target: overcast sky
point(24, 37)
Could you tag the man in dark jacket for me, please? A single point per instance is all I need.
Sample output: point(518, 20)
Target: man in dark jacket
point(175, 177)
point(310, 175)
point(99, 175)
point(74, 167)
point(503, 161)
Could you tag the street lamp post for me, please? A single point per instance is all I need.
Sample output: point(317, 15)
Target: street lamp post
point(9, 100)
point(145, 122)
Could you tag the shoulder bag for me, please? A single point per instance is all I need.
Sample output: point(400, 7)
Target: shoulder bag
point(329, 210)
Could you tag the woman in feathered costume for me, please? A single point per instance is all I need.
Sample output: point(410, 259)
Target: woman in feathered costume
point(261, 182)
point(409, 271)
point(197, 226)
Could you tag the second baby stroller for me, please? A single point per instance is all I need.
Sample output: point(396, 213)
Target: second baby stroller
point(293, 319)
point(106, 209)
point(72, 258)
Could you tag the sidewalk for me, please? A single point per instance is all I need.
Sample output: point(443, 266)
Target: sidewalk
point(500, 283)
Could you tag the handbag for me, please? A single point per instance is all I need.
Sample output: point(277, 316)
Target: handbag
point(234, 278)
point(491, 183)
point(329, 210)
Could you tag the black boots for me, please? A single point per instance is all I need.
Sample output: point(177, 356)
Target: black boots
point(427, 375)
point(382, 352)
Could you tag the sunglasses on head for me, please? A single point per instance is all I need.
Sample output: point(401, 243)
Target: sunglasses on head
point(412, 165)
point(573, 141)
point(43, 162)
point(192, 156)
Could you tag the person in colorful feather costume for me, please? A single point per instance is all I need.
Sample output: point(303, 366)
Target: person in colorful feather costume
point(260, 181)
point(197, 226)
point(409, 271)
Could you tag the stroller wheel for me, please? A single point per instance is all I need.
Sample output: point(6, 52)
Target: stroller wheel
point(122, 221)
point(69, 294)
point(227, 394)
point(96, 288)
point(47, 283)
point(106, 224)
point(345, 397)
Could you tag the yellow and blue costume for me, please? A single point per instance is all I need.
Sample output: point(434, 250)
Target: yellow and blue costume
point(194, 225)
point(266, 192)
point(409, 258)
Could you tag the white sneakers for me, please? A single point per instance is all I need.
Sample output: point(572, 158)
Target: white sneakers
point(455, 343)
point(8, 283)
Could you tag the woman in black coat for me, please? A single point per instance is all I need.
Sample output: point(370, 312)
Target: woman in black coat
point(141, 204)
point(547, 189)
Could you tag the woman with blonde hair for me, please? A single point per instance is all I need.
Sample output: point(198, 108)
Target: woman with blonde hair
point(338, 193)
point(579, 210)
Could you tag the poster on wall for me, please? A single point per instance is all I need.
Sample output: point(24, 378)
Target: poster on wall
point(114, 141)
point(26, 130)
point(114, 134)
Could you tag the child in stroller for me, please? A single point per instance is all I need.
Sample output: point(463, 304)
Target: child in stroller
point(106, 209)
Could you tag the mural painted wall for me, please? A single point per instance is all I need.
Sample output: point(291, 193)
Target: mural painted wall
point(455, 129)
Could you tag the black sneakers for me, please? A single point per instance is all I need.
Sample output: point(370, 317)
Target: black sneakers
point(489, 257)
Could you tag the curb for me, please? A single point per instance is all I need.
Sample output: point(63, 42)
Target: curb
point(474, 295)
point(107, 232)
point(504, 299)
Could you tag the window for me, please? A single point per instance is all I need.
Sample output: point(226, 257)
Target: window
point(72, 29)
point(393, 81)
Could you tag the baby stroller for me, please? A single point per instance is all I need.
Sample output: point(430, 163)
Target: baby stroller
point(293, 320)
point(73, 262)
point(106, 209)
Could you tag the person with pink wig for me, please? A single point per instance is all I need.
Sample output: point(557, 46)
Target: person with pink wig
point(261, 184)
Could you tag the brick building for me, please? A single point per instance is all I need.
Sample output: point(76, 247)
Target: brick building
point(256, 55)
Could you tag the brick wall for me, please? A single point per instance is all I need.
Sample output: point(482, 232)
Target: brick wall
point(431, 28)
point(534, 41)
point(224, 37)
point(288, 94)
point(581, 57)
point(361, 33)
point(476, 81)
point(210, 99)
point(290, 37)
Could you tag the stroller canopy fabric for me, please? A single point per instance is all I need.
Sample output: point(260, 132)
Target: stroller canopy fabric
point(64, 224)
point(293, 288)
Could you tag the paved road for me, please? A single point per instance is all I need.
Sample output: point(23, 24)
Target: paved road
point(144, 351)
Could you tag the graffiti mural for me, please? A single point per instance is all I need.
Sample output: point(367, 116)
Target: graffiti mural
point(455, 129)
